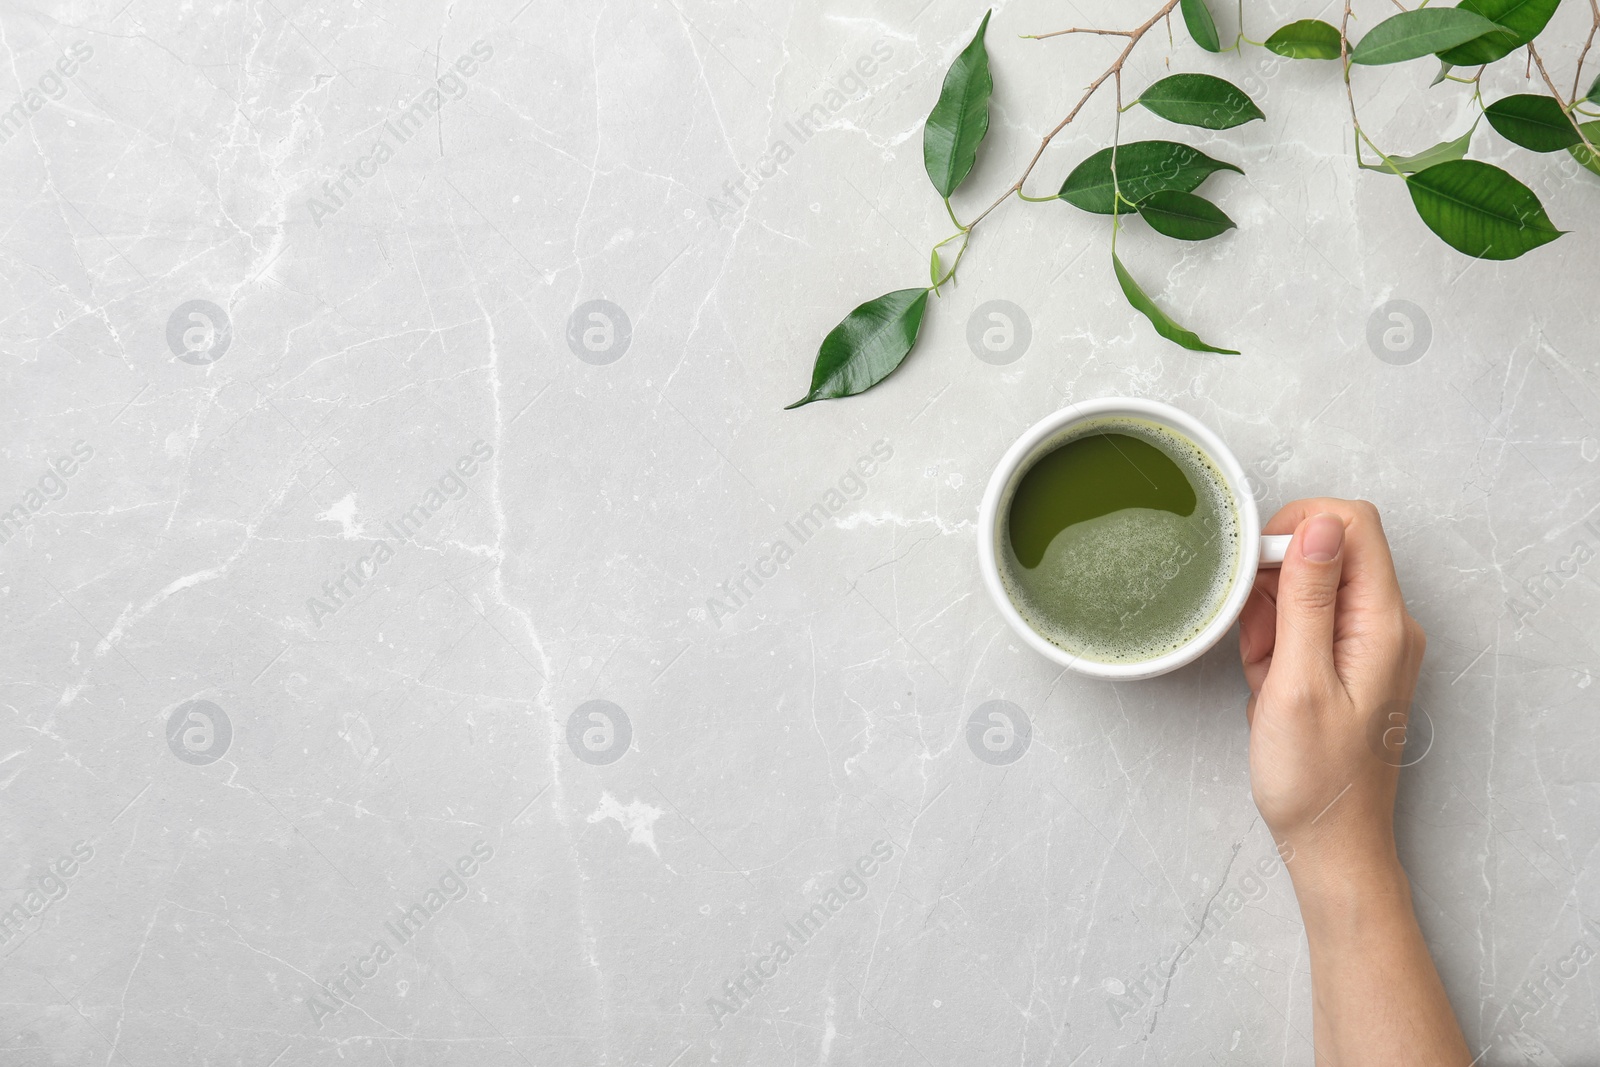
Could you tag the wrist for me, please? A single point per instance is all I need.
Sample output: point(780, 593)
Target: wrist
point(1341, 892)
point(1346, 853)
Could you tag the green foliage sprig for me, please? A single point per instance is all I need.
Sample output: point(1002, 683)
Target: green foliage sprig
point(1475, 207)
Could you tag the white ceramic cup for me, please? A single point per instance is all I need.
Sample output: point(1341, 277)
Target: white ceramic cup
point(1255, 550)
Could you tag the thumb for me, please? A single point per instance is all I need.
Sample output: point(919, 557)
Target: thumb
point(1308, 593)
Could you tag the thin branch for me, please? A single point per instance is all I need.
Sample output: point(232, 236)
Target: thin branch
point(1116, 143)
point(1577, 75)
point(1545, 74)
point(1349, 90)
point(1116, 186)
point(1134, 36)
point(1076, 29)
point(1350, 94)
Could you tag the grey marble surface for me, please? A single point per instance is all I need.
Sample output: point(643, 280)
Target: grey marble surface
point(226, 776)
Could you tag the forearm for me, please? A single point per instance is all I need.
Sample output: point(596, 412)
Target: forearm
point(1377, 998)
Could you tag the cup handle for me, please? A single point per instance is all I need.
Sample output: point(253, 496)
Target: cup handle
point(1273, 547)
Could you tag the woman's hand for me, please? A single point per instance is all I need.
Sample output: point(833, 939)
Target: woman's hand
point(1332, 656)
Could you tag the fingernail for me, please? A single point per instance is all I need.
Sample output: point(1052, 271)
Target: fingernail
point(1322, 538)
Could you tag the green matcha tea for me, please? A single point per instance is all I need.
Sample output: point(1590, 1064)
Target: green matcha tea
point(1120, 542)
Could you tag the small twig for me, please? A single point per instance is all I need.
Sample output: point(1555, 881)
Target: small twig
point(1350, 94)
point(1134, 36)
point(1075, 29)
point(1349, 90)
point(1533, 53)
point(1116, 187)
point(1577, 75)
point(1116, 143)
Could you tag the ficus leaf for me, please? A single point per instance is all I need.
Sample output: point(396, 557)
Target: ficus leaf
point(1516, 23)
point(1444, 72)
point(1443, 152)
point(1582, 154)
point(1202, 27)
point(1184, 215)
point(1200, 100)
point(1143, 167)
point(960, 118)
point(1412, 34)
point(1535, 122)
point(1158, 318)
point(1480, 210)
point(1306, 39)
point(1593, 95)
point(933, 268)
point(867, 346)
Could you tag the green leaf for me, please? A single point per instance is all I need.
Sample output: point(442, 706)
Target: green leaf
point(1202, 27)
point(1200, 100)
point(867, 346)
point(960, 118)
point(1412, 34)
point(1443, 152)
point(1535, 122)
point(933, 268)
point(1593, 95)
point(1516, 23)
point(1143, 167)
point(1480, 209)
point(1183, 215)
point(1158, 318)
point(1444, 72)
point(1582, 154)
point(1306, 39)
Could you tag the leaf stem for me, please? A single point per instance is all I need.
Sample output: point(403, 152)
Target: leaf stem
point(1038, 199)
point(1381, 155)
point(952, 213)
point(1234, 47)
